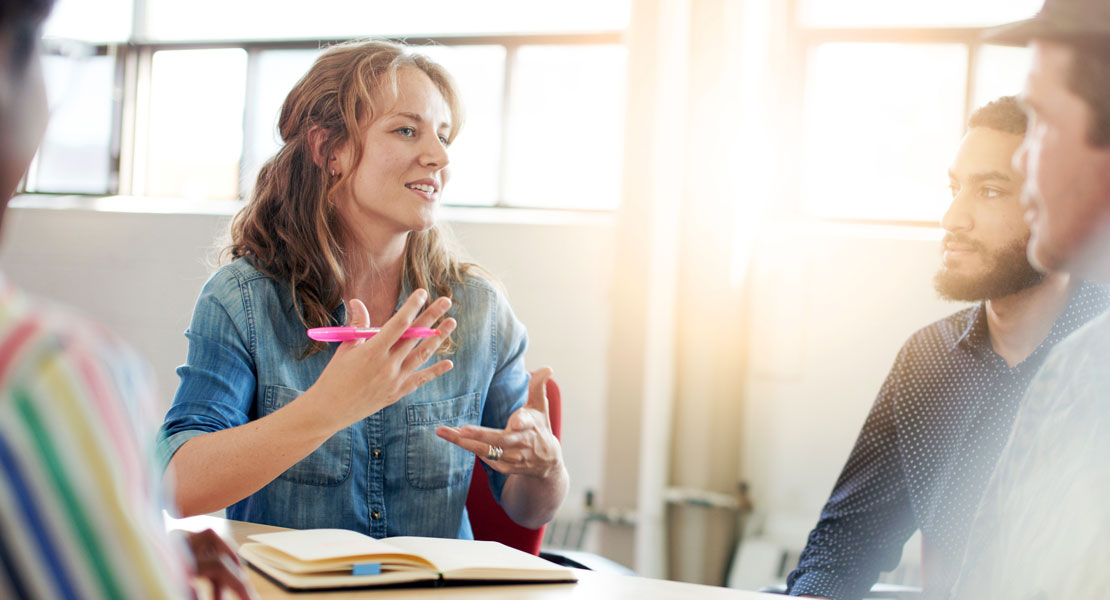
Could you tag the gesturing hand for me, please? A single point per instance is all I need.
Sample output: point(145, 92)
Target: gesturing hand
point(528, 446)
point(366, 375)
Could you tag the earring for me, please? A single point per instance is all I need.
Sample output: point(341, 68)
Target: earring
point(333, 172)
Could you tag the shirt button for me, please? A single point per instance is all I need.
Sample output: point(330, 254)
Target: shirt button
point(375, 515)
point(376, 453)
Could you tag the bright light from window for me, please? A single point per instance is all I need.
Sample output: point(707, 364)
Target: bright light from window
point(75, 155)
point(331, 19)
point(882, 122)
point(932, 13)
point(276, 71)
point(566, 127)
point(196, 123)
point(99, 21)
point(476, 153)
point(1001, 72)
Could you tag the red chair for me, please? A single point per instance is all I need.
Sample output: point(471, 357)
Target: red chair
point(487, 518)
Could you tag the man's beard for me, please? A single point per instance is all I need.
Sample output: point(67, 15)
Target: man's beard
point(1007, 272)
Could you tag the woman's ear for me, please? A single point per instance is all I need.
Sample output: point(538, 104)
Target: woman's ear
point(317, 140)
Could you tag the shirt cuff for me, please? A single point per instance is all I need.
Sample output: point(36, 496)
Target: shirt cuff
point(825, 585)
point(168, 445)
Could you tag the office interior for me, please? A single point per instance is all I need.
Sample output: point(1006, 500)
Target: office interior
point(716, 218)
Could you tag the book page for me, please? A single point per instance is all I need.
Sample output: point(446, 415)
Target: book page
point(463, 559)
point(322, 549)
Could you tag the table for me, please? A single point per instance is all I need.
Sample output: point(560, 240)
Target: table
point(590, 585)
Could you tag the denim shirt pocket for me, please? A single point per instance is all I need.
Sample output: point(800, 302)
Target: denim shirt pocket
point(329, 464)
point(431, 462)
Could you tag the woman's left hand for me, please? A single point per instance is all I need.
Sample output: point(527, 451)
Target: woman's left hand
point(527, 444)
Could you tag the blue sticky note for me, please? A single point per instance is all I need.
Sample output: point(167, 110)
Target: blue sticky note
point(367, 569)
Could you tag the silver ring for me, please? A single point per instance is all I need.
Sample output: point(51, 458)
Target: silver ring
point(494, 453)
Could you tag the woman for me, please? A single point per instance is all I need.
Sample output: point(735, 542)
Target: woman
point(345, 210)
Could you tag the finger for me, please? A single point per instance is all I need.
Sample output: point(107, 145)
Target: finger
point(357, 316)
point(454, 435)
point(236, 581)
point(493, 437)
point(219, 546)
point(423, 376)
point(393, 328)
point(428, 318)
point(433, 313)
point(422, 353)
point(537, 390)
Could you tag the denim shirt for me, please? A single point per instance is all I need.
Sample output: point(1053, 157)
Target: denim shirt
point(386, 475)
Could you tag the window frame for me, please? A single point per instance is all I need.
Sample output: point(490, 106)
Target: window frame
point(806, 38)
point(133, 75)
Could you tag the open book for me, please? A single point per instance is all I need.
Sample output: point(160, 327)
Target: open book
point(338, 558)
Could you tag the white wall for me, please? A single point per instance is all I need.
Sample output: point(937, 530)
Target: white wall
point(832, 304)
point(139, 273)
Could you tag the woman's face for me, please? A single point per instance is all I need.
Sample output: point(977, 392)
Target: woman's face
point(397, 183)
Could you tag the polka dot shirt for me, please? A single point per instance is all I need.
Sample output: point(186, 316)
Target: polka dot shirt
point(926, 453)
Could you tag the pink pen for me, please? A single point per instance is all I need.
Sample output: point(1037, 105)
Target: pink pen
point(346, 334)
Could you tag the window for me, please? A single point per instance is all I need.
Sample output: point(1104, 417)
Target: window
point(185, 105)
point(888, 89)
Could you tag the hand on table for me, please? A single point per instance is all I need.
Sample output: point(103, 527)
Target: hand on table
point(528, 445)
point(217, 563)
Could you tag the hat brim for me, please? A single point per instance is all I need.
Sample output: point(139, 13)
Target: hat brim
point(1021, 33)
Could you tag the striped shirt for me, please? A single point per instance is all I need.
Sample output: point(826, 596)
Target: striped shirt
point(79, 503)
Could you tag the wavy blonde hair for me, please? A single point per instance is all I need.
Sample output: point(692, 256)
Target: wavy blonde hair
point(291, 228)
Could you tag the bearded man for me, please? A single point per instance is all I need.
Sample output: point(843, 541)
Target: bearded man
point(938, 426)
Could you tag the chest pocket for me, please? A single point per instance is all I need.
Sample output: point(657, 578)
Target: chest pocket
point(432, 462)
point(329, 464)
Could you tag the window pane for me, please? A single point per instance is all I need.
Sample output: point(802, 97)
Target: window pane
point(274, 19)
point(476, 153)
point(882, 122)
point(566, 127)
point(75, 155)
point(196, 123)
point(275, 71)
point(99, 21)
point(933, 13)
point(1000, 72)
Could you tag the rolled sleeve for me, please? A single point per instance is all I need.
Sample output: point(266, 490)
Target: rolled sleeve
point(218, 380)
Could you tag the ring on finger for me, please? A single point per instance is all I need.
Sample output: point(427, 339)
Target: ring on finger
point(494, 453)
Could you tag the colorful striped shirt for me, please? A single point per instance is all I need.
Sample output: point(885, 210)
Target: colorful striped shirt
point(80, 508)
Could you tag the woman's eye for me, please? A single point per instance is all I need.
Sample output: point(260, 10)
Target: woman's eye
point(989, 192)
point(443, 140)
point(406, 131)
point(954, 189)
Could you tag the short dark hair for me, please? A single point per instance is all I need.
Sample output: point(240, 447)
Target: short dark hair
point(20, 22)
point(1089, 78)
point(14, 12)
point(1004, 114)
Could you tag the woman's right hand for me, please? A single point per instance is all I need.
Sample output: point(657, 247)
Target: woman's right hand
point(367, 375)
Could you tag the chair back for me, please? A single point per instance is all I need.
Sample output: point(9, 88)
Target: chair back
point(487, 519)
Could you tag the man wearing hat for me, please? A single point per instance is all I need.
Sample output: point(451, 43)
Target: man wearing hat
point(1043, 527)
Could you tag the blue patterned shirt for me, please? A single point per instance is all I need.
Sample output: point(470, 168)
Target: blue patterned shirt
point(925, 453)
point(386, 475)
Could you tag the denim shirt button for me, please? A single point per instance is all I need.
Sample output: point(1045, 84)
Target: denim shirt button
point(376, 453)
point(375, 515)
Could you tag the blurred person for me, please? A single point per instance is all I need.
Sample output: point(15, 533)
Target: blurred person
point(928, 446)
point(80, 515)
point(1043, 527)
point(376, 435)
